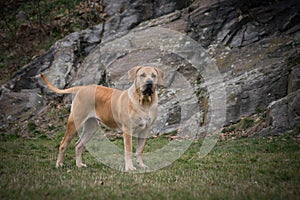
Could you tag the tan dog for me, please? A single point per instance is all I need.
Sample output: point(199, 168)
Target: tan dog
point(133, 111)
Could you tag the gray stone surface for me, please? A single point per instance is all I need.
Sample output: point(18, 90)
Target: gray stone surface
point(284, 114)
point(294, 79)
point(254, 44)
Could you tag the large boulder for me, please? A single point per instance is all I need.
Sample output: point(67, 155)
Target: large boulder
point(283, 114)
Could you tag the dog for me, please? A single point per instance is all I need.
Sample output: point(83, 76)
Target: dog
point(133, 111)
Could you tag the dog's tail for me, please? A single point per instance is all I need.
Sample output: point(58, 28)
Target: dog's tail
point(56, 90)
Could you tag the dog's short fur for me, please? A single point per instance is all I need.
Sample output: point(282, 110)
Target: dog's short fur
point(133, 111)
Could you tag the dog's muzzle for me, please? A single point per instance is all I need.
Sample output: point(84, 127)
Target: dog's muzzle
point(148, 88)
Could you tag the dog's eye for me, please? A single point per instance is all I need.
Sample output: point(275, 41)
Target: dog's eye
point(153, 75)
point(143, 75)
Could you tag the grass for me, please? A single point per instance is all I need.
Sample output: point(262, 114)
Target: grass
point(256, 168)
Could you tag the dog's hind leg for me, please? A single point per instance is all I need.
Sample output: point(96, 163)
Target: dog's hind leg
point(73, 126)
point(89, 128)
point(69, 135)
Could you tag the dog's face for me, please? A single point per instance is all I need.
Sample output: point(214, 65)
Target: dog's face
point(146, 79)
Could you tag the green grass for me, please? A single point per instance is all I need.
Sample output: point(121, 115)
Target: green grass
point(257, 168)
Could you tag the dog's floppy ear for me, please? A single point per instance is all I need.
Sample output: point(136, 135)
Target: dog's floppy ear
point(161, 75)
point(132, 73)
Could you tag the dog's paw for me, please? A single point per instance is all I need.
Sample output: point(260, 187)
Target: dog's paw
point(59, 164)
point(130, 168)
point(81, 165)
point(143, 166)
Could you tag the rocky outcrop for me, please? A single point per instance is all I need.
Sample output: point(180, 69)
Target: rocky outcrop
point(240, 23)
point(294, 79)
point(283, 114)
point(254, 46)
point(21, 97)
point(125, 15)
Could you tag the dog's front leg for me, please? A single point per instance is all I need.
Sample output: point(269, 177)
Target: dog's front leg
point(128, 151)
point(140, 149)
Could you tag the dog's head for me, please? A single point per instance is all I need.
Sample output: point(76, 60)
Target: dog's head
point(146, 79)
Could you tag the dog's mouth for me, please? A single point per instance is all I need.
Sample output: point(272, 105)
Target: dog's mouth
point(148, 90)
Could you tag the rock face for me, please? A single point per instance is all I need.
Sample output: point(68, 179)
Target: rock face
point(283, 114)
point(247, 60)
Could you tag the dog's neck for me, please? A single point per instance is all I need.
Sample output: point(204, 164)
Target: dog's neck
point(145, 100)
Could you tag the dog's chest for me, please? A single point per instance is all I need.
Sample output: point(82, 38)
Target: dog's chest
point(143, 118)
point(144, 122)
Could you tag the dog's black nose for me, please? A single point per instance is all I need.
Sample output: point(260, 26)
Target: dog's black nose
point(149, 83)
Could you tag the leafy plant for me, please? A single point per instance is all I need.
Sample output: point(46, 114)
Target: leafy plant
point(245, 123)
